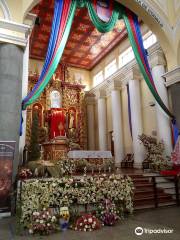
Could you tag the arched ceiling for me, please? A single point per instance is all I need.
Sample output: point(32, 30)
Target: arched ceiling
point(85, 46)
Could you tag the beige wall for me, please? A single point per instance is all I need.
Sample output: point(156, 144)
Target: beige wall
point(84, 75)
point(148, 112)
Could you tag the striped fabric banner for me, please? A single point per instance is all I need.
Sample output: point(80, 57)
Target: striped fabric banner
point(63, 16)
point(135, 37)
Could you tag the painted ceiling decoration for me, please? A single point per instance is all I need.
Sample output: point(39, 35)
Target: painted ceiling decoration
point(85, 47)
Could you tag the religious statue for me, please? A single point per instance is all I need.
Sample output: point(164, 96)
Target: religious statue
point(71, 123)
point(71, 119)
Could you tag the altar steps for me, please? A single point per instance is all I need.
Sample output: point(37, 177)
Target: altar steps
point(144, 193)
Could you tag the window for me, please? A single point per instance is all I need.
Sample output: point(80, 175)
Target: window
point(128, 54)
point(110, 68)
point(126, 57)
point(149, 41)
point(98, 78)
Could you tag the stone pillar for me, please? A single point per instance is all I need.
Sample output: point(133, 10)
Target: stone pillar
point(173, 84)
point(136, 117)
point(90, 101)
point(163, 121)
point(117, 125)
point(11, 62)
point(102, 121)
point(25, 75)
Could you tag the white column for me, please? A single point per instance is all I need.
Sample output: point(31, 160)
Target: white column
point(136, 118)
point(117, 126)
point(163, 121)
point(24, 93)
point(102, 123)
point(91, 122)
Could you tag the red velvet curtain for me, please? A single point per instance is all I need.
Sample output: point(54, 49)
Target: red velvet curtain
point(57, 123)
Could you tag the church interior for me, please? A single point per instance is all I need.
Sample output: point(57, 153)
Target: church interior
point(89, 118)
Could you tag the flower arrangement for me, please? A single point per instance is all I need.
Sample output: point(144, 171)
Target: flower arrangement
point(66, 166)
point(108, 213)
point(24, 173)
point(71, 191)
point(94, 164)
point(43, 223)
point(154, 153)
point(87, 222)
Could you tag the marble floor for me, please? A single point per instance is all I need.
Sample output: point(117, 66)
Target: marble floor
point(161, 218)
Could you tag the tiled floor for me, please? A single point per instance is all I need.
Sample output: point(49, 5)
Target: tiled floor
point(168, 218)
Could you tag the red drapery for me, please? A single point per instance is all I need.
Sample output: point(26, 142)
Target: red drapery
point(57, 123)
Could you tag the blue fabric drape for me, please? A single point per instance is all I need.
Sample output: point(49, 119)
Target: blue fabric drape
point(52, 43)
point(175, 132)
point(138, 31)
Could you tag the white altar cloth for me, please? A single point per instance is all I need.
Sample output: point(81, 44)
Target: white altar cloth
point(89, 154)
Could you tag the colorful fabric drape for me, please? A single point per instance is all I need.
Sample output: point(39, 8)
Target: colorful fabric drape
point(129, 110)
point(135, 37)
point(102, 26)
point(63, 16)
point(175, 132)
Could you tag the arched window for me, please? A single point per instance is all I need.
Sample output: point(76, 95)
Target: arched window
point(55, 99)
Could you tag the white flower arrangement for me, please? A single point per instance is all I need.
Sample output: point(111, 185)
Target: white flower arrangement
point(44, 193)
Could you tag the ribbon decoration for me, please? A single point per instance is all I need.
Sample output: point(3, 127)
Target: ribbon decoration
point(102, 26)
point(136, 41)
point(63, 16)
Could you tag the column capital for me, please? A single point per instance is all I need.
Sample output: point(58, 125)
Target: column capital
point(172, 77)
point(101, 93)
point(16, 33)
point(90, 99)
point(132, 74)
point(157, 58)
point(114, 85)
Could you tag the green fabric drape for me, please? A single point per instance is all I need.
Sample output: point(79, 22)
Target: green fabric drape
point(101, 26)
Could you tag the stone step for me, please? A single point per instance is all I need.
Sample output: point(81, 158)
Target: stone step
point(150, 200)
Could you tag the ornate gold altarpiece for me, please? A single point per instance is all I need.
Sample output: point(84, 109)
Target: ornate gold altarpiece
point(71, 124)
